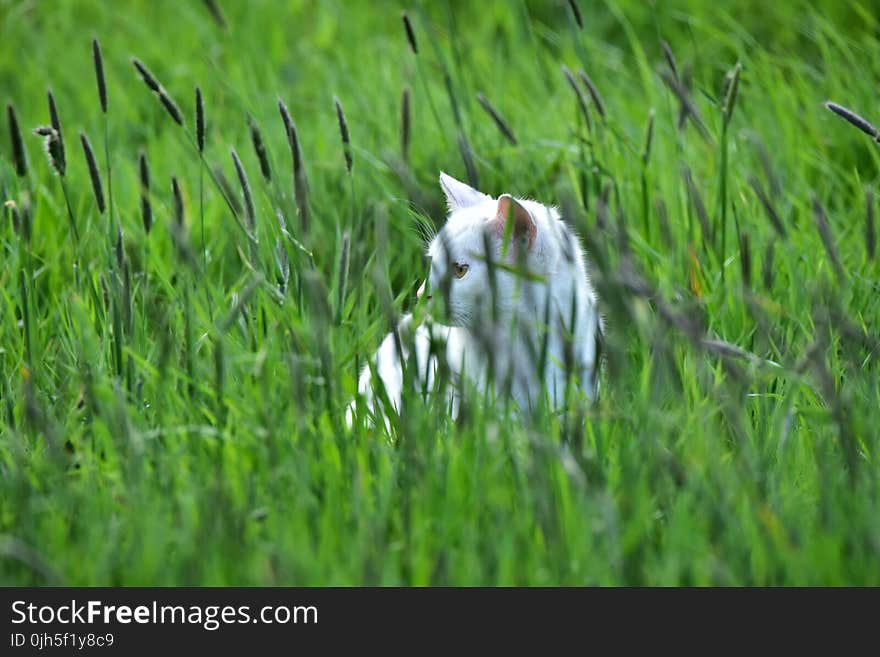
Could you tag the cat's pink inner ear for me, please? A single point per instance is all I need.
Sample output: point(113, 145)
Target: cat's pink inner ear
point(524, 226)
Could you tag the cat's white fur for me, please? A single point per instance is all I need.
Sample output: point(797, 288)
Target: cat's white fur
point(498, 347)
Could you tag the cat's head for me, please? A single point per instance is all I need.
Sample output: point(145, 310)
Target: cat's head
point(484, 238)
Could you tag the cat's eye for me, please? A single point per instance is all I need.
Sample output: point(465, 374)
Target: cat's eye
point(459, 269)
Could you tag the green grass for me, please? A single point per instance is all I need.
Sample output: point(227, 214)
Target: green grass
point(174, 417)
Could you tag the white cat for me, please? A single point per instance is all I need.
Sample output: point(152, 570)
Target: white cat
point(511, 278)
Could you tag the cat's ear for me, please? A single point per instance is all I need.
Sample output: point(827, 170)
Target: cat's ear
point(524, 226)
point(459, 195)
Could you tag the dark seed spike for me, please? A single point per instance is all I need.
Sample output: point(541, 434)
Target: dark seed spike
point(105, 292)
point(282, 261)
point(688, 108)
point(767, 166)
point(95, 176)
point(467, 157)
point(686, 85)
point(166, 100)
point(730, 92)
point(12, 208)
point(148, 78)
point(670, 59)
point(249, 211)
point(50, 144)
point(19, 154)
point(21, 217)
point(649, 139)
point(697, 202)
point(228, 192)
point(854, 119)
point(178, 201)
point(170, 106)
point(501, 124)
point(146, 208)
point(870, 234)
point(769, 209)
point(200, 121)
point(99, 74)
point(825, 234)
point(216, 13)
point(594, 93)
point(404, 125)
point(582, 102)
point(410, 34)
point(299, 176)
point(290, 131)
point(576, 12)
point(343, 131)
point(60, 157)
point(27, 221)
point(260, 149)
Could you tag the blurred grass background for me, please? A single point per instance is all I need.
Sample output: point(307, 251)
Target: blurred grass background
point(173, 415)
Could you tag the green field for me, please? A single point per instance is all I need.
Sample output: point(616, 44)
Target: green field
point(172, 400)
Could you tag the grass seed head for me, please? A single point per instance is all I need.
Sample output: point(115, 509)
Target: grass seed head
point(99, 74)
point(579, 95)
point(687, 109)
point(249, 210)
point(216, 13)
point(410, 34)
point(171, 107)
point(576, 13)
point(300, 185)
point(731, 88)
point(148, 78)
point(854, 119)
point(594, 93)
point(697, 202)
point(22, 219)
point(19, 154)
point(200, 121)
point(94, 175)
point(227, 190)
point(649, 139)
point(178, 201)
point(670, 59)
point(499, 120)
point(825, 234)
point(146, 208)
point(404, 125)
point(292, 137)
point(166, 100)
point(260, 149)
point(57, 144)
point(343, 132)
point(51, 144)
point(769, 208)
